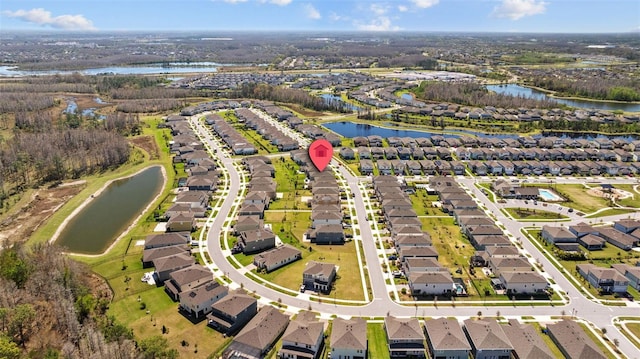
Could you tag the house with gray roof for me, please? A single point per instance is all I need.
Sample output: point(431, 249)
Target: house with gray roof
point(617, 238)
point(318, 276)
point(277, 257)
point(523, 282)
point(256, 240)
point(527, 343)
point(632, 273)
point(558, 234)
point(303, 339)
point(166, 239)
point(430, 283)
point(149, 255)
point(573, 342)
point(607, 280)
point(488, 340)
point(197, 301)
point(445, 339)
point(259, 335)
point(186, 279)
point(232, 312)
point(165, 265)
point(405, 337)
point(349, 338)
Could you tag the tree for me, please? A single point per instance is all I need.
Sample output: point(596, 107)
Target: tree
point(21, 323)
point(155, 348)
point(8, 349)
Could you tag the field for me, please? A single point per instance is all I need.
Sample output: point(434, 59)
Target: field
point(533, 214)
point(422, 203)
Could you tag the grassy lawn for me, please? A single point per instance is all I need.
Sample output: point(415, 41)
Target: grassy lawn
point(634, 201)
point(532, 214)
point(610, 212)
point(421, 203)
point(290, 183)
point(289, 226)
point(577, 197)
point(635, 329)
point(263, 146)
point(377, 341)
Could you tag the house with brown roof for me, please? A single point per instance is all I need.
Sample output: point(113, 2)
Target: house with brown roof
point(327, 234)
point(165, 265)
point(630, 272)
point(417, 252)
point(445, 339)
point(277, 257)
point(509, 264)
point(573, 342)
point(232, 312)
point(183, 221)
point(431, 283)
point(318, 276)
point(247, 223)
point(488, 340)
point(591, 242)
point(523, 282)
point(405, 337)
point(607, 280)
point(149, 255)
point(303, 339)
point(558, 234)
point(186, 279)
point(166, 239)
point(617, 238)
point(527, 343)
point(256, 241)
point(197, 301)
point(259, 335)
point(349, 338)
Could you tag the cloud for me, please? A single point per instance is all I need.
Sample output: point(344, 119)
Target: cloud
point(43, 17)
point(425, 3)
point(382, 23)
point(312, 12)
point(234, 1)
point(402, 8)
point(378, 9)
point(277, 2)
point(516, 9)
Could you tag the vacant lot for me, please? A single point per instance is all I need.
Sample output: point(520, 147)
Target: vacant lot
point(532, 214)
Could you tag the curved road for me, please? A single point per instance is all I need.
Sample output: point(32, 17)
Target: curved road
point(600, 315)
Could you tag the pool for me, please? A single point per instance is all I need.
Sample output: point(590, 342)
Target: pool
point(549, 195)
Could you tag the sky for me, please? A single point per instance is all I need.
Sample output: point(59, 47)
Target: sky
point(551, 16)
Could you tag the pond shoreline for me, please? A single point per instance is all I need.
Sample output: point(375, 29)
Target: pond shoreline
point(89, 199)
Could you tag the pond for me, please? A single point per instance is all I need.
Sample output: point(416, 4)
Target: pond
point(94, 228)
point(352, 129)
point(329, 98)
point(517, 90)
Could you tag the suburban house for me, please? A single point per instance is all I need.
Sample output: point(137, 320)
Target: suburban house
point(166, 239)
point(591, 242)
point(488, 340)
point(183, 221)
point(572, 341)
point(277, 257)
point(446, 340)
point(165, 265)
point(430, 283)
point(554, 235)
point(304, 338)
point(318, 276)
point(527, 343)
point(232, 312)
point(627, 225)
point(630, 272)
point(259, 335)
point(186, 279)
point(582, 229)
point(405, 337)
point(523, 282)
point(617, 238)
point(327, 234)
point(256, 240)
point(197, 301)
point(149, 255)
point(608, 280)
point(247, 223)
point(349, 338)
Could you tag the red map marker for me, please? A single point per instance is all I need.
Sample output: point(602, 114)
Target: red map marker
point(321, 152)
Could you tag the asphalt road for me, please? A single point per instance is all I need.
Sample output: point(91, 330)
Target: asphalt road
point(381, 305)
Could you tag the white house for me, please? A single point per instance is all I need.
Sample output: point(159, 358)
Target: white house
point(430, 283)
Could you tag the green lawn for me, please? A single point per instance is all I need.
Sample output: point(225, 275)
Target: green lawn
point(610, 212)
point(421, 203)
point(634, 201)
point(377, 341)
point(533, 214)
point(635, 329)
point(290, 183)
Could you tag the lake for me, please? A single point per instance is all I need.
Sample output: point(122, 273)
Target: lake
point(352, 129)
point(517, 90)
point(171, 68)
point(96, 226)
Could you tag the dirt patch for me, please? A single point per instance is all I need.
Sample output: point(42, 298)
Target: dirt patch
point(148, 144)
point(19, 226)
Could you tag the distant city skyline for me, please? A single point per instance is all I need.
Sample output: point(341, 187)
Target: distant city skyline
point(534, 16)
